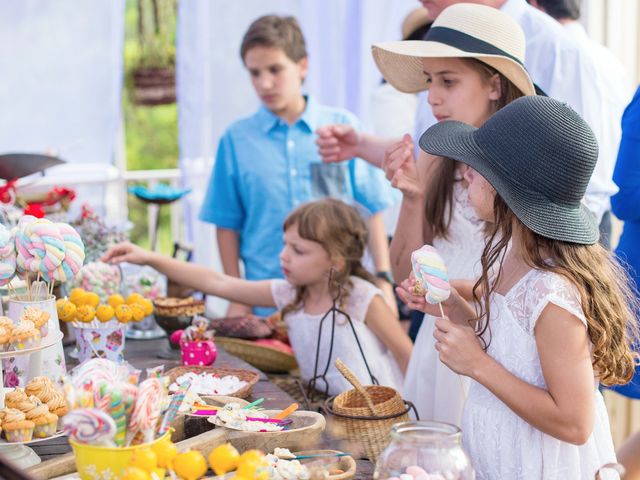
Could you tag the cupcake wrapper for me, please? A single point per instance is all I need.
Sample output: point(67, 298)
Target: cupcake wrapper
point(44, 329)
point(46, 430)
point(19, 435)
point(25, 344)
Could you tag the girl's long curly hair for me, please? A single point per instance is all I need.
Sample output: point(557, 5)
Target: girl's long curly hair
point(343, 234)
point(607, 299)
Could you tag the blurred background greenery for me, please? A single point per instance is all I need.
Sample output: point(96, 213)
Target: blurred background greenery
point(151, 132)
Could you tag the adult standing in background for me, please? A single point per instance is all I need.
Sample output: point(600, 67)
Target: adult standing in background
point(613, 83)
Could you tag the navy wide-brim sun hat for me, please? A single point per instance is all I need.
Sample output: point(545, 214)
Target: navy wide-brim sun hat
point(538, 154)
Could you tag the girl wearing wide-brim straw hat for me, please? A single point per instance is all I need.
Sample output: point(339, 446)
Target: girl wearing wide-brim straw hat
point(554, 311)
point(472, 64)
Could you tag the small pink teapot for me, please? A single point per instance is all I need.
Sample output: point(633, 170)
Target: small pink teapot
point(198, 352)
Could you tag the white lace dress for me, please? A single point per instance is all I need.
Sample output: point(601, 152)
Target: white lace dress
point(437, 392)
point(304, 331)
point(501, 444)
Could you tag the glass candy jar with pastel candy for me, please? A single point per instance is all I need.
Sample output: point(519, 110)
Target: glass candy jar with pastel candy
point(424, 451)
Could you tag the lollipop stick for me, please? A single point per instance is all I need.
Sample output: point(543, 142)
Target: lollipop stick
point(441, 310)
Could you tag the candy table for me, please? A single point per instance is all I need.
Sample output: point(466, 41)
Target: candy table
point(143, 354)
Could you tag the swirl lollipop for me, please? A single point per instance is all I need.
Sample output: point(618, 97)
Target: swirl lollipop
point(146, 410)
point(7, 255)
point(73, 255)
point(40, 245)
point(430, 272)
point(90, 426)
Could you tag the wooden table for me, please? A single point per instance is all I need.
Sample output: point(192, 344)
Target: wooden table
point(145, 354)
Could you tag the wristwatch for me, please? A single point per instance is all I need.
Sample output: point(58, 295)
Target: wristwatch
point(386, 276)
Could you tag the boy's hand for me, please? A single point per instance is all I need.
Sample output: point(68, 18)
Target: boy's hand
point(459, 346)
point(400, 168)
point(126, 252)
point(337, 143)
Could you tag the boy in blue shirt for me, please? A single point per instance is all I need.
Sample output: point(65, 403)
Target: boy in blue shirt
point(267, 164)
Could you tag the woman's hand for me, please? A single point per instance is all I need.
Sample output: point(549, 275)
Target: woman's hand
point(401, 170)
point(127, 252)
point(337, 143)
point(459, 346)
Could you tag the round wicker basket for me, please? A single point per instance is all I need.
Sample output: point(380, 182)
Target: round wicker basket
point(263, 357)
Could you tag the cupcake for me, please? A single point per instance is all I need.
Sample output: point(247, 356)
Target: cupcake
point(24, 404)
point(25, 335)
point(40, 319)
point(58, 404)
point(42, 387)
point(16, 427)
point(14, 398)
point(7, 323)
point(5, 339)
point(45, 421)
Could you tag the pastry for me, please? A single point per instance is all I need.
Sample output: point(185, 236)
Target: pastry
point(16, 427)
point(45, 421)
point(15, 397)
point(5, 339)
point(40, 318)
point(177, 307)
point(25, 335)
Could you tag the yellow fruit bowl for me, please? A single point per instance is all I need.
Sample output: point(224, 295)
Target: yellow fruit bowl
point(107, 463)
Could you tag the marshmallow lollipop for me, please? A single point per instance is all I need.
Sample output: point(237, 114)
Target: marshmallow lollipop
point(7, 255)
point(430, 272)
point(40, 245)
point(73, 255)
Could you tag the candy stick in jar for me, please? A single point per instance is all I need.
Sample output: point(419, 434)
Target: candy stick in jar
point(174, 406)
point(146, 411)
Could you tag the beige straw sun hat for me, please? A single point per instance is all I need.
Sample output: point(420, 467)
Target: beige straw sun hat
point(463, 30)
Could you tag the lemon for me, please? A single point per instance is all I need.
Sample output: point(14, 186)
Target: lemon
point(105, 313)
point(123, 313)
point(224, 459)
point(115, 300)
point(166, 451)
point(190, 465)
point(137, 311)
point(85, 313)
point(145, 459)
point(134, 298)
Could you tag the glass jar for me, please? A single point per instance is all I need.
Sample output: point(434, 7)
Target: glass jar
point(424, 450)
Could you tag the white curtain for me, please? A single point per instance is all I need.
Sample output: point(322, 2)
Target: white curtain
point(61, 79)
point(214, 89)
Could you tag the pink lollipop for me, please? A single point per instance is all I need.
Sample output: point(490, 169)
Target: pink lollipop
point(7, 255)
point(146, 411)
point(90, 426)
point(429, 270)
point(73, 255)
point(40, 246)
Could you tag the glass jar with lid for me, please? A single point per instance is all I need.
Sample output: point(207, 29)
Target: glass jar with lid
point(424, 451)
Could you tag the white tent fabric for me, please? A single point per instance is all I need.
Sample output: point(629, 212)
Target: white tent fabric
point(62, 78)
point(214, 89)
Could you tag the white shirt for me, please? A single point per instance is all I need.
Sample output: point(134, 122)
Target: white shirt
point(565, 70)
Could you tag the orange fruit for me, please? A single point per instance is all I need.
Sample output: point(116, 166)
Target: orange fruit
point(135, 473)
point(224, 459)
point(105, 313)
point(145, 459)
point(123, 313)
point(85, 313)
point(166, 451)
point(115, 300)
point(190, 465)
point(137, 312)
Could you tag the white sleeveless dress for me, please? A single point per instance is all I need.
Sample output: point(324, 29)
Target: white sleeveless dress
point(303, 331)
point(437, 392)
point(500, 443)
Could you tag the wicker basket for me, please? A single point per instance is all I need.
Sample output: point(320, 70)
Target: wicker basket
point(246, 375)
point(263, 357)
point(365, 415)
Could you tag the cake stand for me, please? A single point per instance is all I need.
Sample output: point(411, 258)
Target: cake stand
point(19, 453)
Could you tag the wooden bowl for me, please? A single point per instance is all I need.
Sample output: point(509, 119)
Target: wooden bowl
point(347, 464)
point(247, 375)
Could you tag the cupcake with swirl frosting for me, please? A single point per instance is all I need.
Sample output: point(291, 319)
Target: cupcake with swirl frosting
point(5, 339)
point(58, 404)
point(7, 323)
point(38, 317)
point(25, 335)
point(15, 397)
point(16, 426)
point(45, 421)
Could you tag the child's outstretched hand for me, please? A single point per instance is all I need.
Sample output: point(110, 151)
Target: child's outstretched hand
point(459, 346)
point(400, 167)
point(126, 252)
point(337, 143)
point(414, 297)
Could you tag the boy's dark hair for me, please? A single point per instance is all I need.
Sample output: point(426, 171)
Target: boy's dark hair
point(561, 9)
point(278, 32)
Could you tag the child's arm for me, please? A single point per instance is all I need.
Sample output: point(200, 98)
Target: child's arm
point(465, 288)
point(387, 328)
point(195, 276)
point(564, 409)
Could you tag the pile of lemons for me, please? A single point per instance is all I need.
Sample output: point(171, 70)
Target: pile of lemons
point(82, 306)
point(152, 463)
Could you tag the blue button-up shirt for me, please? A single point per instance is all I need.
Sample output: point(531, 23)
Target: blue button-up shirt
point(265, 168)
